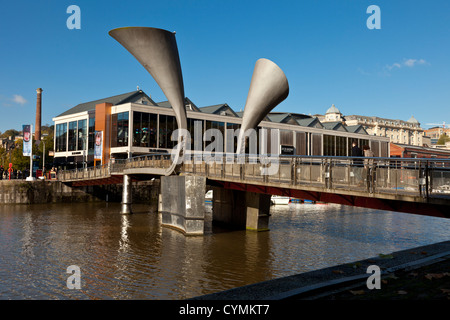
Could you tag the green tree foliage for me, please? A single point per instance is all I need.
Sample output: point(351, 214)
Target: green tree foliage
point(16, 155)
point(10, 132)
point(443, 139)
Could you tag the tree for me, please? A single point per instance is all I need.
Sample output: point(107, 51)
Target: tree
point(4, 157)
point(18, 160)
point(443, 139)
point(48, 141)
point(15, 156)
point(10, 132)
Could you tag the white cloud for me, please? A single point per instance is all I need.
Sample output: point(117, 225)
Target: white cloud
point(413, 62)
point(393, 66)
point(406, 63)
point(19, 99)
point(363, 72)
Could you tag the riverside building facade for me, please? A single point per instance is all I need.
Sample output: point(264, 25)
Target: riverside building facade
point(398, 131)
point(133, 124)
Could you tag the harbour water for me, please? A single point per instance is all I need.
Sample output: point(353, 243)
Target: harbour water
point(133, 257)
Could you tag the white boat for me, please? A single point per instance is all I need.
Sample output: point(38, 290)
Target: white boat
point(209, 196)
point(279, 200)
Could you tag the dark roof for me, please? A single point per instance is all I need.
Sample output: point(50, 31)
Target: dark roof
point(279, 117)
point(218, 108)
point(187, 101)
point(115, 100)
point(240, 114)
point(301, 116)
point(333, 125)
point(356, 129)
point(292, 118)
point(309, 122)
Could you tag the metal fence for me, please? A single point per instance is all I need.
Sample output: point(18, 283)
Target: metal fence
point(96, 172)
point(417, 177)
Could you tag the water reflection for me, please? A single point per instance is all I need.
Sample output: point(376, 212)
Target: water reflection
point(133, 257)
point(27, 245)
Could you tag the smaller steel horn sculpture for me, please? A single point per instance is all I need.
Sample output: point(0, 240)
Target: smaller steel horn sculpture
point(156, 49)
point(268, 88)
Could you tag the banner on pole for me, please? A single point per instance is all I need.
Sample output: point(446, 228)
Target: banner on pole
point(98, 147)
point(26, 140)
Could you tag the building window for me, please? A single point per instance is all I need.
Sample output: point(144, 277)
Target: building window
point(232, 137)
point(167, 124)
point(61, 137)
point(72, 146)
point(316, 144)
point(144, 129)
point(215, 125)
point(82, 134)
point(328, 145)
point(91, 138)
point(191, 125)
point(341, 146)
point(119, 133)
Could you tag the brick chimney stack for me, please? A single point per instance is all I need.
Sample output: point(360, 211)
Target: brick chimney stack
point(37, 129)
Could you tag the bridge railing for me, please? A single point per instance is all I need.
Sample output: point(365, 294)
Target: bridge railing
point(116, 166)
point(417, 176)
point(96, 172)
point(421, 177)
point(160, 161)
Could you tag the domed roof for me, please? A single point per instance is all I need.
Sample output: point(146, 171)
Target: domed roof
point(333, 109)
point(412, 120)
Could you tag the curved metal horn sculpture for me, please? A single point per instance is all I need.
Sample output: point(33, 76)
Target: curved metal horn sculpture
point(156, 49)
point(268, 87)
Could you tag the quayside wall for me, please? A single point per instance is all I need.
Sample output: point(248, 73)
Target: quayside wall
point(42, 191)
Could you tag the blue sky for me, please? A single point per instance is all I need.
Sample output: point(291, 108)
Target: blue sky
point(324, 47)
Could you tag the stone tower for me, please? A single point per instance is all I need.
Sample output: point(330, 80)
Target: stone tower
point(37, 129)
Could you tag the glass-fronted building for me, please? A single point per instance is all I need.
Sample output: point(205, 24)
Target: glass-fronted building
point(133, 124)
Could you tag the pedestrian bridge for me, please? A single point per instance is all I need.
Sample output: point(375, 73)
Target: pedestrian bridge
point(420, 186)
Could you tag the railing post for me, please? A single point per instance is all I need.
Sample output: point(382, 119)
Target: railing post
point(330, 173)
point(421, 179)
point(374, 175)
point(396, 177)
point(349, 169)
point(294, 174)
point(263, 165)
point(223, 166)
point(279, 170)
point(310, 170)
point(427, 176)
point(324, 172)
point(242, 168)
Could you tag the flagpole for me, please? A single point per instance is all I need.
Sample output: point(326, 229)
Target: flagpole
point(31, 153)
point(30, 177)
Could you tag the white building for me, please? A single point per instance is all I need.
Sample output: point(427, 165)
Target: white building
point(398, 131)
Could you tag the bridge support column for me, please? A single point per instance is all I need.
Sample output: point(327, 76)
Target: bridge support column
point(258, 211)
point(182, 204)
point(241, 209)
point(126, 195)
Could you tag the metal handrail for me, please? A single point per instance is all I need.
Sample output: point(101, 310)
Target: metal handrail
point(413, 176)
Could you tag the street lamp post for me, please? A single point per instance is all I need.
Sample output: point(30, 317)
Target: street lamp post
point(30, 177)
point(43, 153)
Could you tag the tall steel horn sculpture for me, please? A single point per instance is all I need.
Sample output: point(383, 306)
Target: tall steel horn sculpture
point(268, 88)
point(156, 49)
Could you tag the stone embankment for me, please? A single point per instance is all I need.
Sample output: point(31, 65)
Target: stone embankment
point(45, 191)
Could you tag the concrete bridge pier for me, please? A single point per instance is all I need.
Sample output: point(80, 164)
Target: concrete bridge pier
point(182, 203)
point(241, 209)
point(127, 195)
